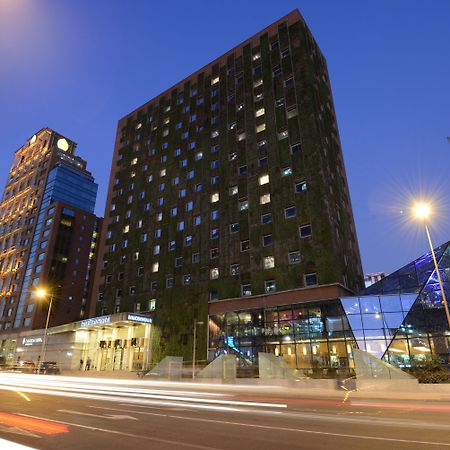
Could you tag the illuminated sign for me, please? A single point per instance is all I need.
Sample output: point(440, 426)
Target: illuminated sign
point(104, 320)
point(141, 319)
point(31, 341)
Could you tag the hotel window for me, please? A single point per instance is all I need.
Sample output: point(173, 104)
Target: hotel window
point(282, 135)
point(246, 289)
point(144, 237)
point(198, 156)
point(162, 172)
point(169, 281)
point(176, 181)
point(233, 190)
point(270, 286)
point(162, 186)
point(215, 120)
point(214, 273)
point(269, 262)
point(182, 193)
point(263, 162)
point(156, 249)
point(200, 101)
point(187, 279)
point(214, 107)
point(177, 152)
point(215, 180)
point(232, 156)
point(194, 92)
point(245, 245)
point(267, 240)
point(260, 127)
point(154, 285)
point(257, 70)
point(263, 199)
point(259, 97)
point(147, 207)
point(276, 72)
point(266, 218)
point(294, 257)
point(261, 144)
point(215, 148)
point(158, 233)
point(234, 269)
point(183, 163)
point(159, 217)
point(165, 146)
point(234, 227)
point(179, 261)
point(193, 117)
point(180, 100)
point(215, 164)
point(132, 290)
point(241, 137)
point(285, 53)
point(165, 132)
point(243, 204)
point(240, 107)
point(214, 253)
point(190, 175)
point(300, 187)
point(214, 197)
point(256, 56)
point(215, 80)
point(173, 211)
point(189, 206)
point(161, 201)
point(188, 241)
point(290, 212)
point(310, 279)
point(155, 267)
point(178, 125)
point(126, 228)
point(292, 112)
point(198, 187)
point(197, 220)
point(286, 171)
point(192, 145)
point(296, 148)
point(184, 134)
point(232, 126)
point(257, 83)
point(289, 82)
point(133, 161)
point(263, 179)
point(242, 170)
point(305, 231)
point(172, 245)
point(195, 258)
point(259, 112)
point(180, 226)
point(215, 214)
point(214, 233)
point(140, 271)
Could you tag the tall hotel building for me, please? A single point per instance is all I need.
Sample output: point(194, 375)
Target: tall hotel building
point(48, 232)
point(229, 185)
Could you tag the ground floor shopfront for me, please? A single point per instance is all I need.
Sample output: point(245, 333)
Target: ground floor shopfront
point(119, 341)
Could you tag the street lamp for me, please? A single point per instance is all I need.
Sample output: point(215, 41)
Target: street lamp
point(194, 346)
point(422, 211)
point(42, 293)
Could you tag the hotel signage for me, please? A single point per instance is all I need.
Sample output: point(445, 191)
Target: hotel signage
point(140, 319)
point(31, 341)
point(104, 320)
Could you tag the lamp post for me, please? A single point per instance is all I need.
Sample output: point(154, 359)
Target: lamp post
point(194, 346)
point(41, 293)
point(422, 211)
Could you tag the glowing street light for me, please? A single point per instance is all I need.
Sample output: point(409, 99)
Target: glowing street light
point(42, 294)
point(422, 211)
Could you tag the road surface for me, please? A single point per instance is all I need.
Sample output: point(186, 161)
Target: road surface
point(64, 413)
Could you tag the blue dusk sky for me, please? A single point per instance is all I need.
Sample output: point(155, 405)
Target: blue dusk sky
point(77, 66)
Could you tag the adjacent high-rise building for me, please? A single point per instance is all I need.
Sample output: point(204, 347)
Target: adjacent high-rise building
point(48, 233)
point(229, 184)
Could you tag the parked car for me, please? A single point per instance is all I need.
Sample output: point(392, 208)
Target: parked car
point(24, 367)
point(49, 368)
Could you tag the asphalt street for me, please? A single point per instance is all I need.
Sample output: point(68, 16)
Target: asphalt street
point(68, 413)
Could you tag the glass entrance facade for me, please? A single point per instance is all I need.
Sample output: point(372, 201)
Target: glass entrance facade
point(400, 319)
